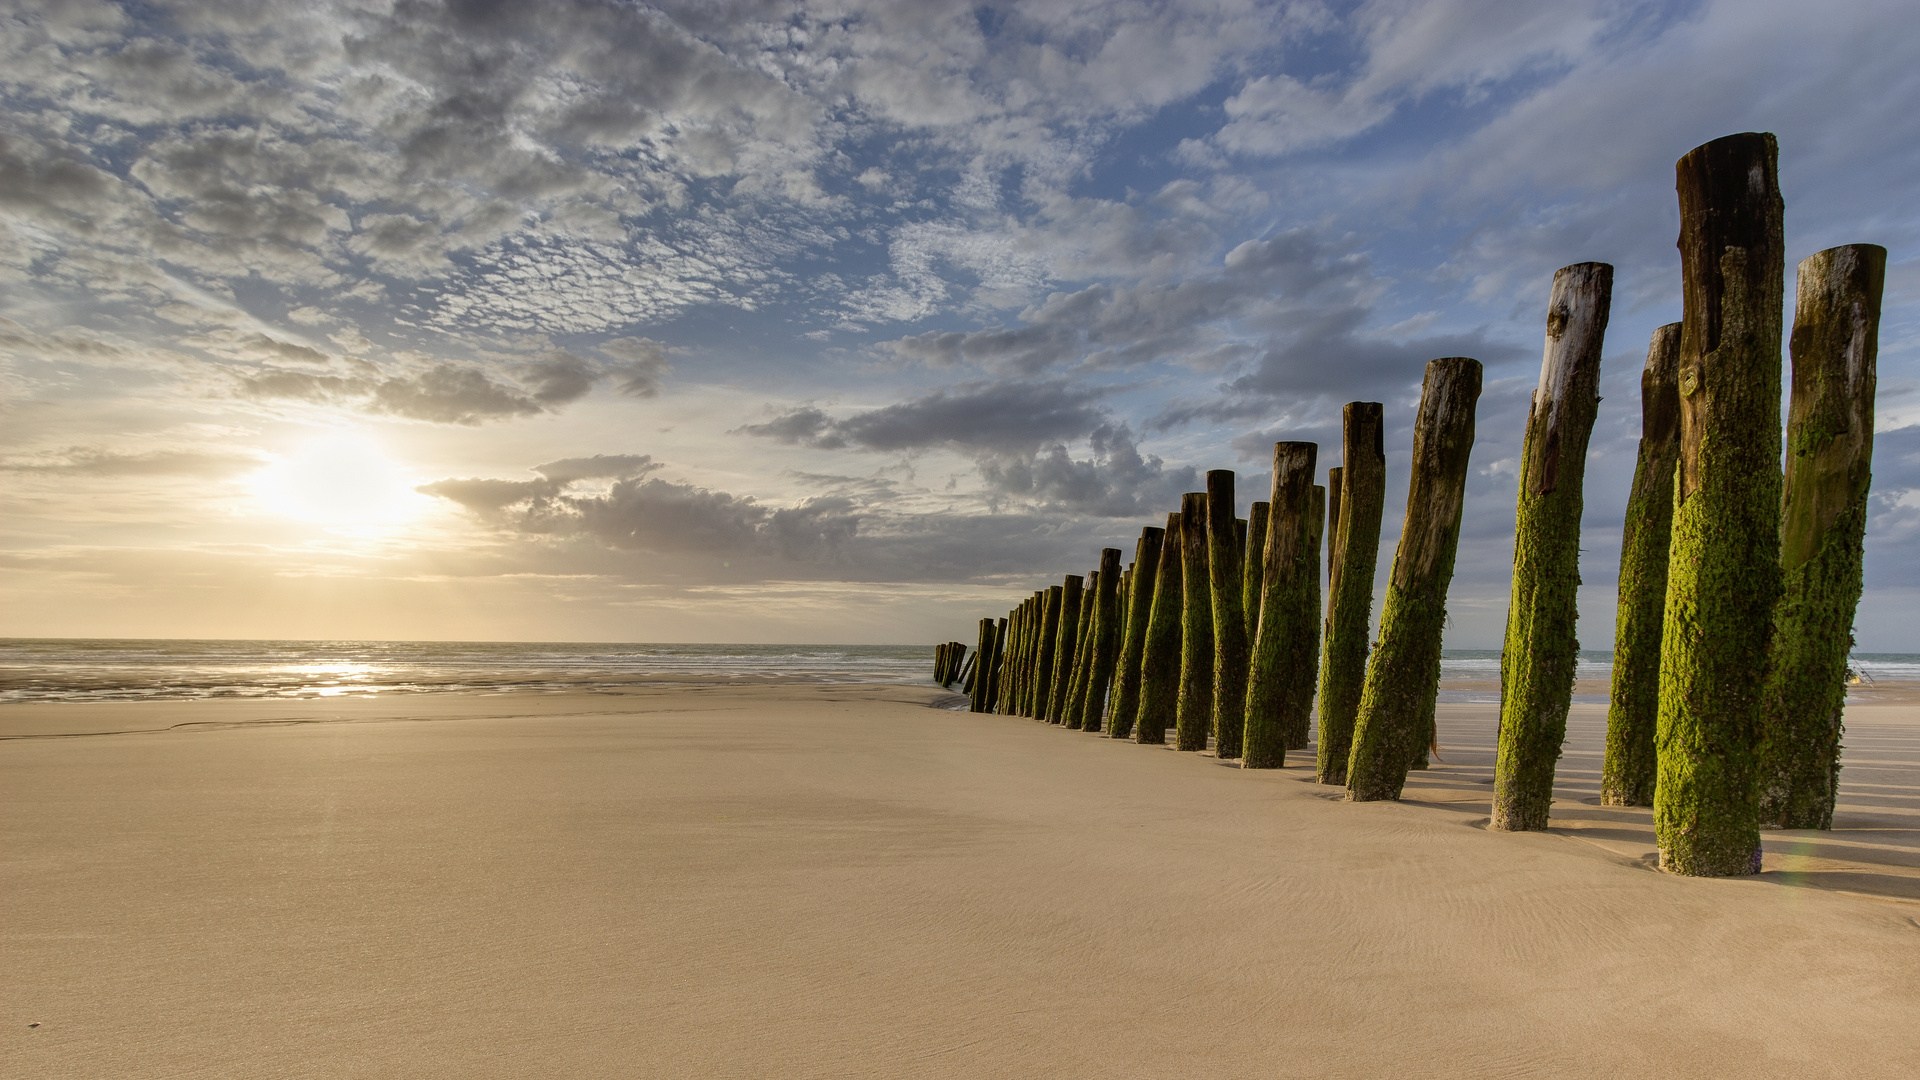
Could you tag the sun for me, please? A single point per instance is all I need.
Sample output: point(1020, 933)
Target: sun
point(342, 479)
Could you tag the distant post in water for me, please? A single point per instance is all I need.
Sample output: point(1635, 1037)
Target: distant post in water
point(1723, 570)
point(1253, 563)
point(1297, 717)
point(1194, 718)
point(1835, 346)
point(1289, 612)
point(1105, 641)
point(1048, 645)
point(1403, 678)
point(1536, 684)
point(1161, 655)
point(1633, 703)
point(1343, 664)
point(1072, 590)
point(1230, 646)
point(1139, 608)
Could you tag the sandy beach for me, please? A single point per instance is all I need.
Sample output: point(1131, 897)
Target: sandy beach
point(842, 881)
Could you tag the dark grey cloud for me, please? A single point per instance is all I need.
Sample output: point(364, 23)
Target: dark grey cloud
point(998, 416)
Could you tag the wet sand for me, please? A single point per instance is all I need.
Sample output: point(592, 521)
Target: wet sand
point(818, 881)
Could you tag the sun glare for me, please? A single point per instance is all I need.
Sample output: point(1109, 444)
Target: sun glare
point(343, 479)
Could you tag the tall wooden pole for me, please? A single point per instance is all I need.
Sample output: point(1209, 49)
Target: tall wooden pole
point(1034, 619)
point(1253, 563)
point(996, 684)
point(1723, 570)
point(983, 667)
point(1077, 679)
point(1105, 641)
point(1343, 662)
point(1126, 683)
point(1193, 719)
point(1633, 703)
point(1835, 346)
point(1289, 610)
point(1403, 677)
point(1072, 590)
point(1298, 718)
point(1541, 647)
point(1230, 647)
point(1047, 649)
point(1160, 654)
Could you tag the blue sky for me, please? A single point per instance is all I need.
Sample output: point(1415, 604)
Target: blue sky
point(839, 322)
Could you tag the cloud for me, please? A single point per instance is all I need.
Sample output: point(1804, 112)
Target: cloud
point(640, 366)
point(93, 461)
point(971, 417)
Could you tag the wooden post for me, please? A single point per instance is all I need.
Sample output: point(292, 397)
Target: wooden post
point(1126, 683)
point(1333, 525)
point(1536, 684)
point(1835, 345)
point(997, 687)
point(1048, 648)
point(1010, 677)
point(1403, 678)
point(1289, 612)
point(1633, 704)
point(1230, 648)
point(1104, 641)
point(1082, 654)
point(982, 668)
point(1193, 718)
point(1306, 673)
point(1253, 563)
point(1019, 702)
point(967, 670)
point(1066, 637)
point(1161, 653)
point(1723, 567)
point(1343, 663)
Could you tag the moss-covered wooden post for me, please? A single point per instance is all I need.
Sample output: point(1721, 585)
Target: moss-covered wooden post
point(1298, 718)
point(965, 675)
point(1723, 566)
point(1072, 592)
point(1161, 653)
point(1403, 676)
point(1031, 620)
point(1823, 523)
point(1253, 562)
point(1723, 569)
point(1128, 673)
point(1289, 610)
point(1230, 646)
point(1193, 718)
point(1016, 643)
point(982, 668)
point(1333, 525)
point(1103, 641)
point(1542, 650)
point(1081, 654)
point(1633, 702)
point(1343, 660)
point(1054, 604)
point(996, 681)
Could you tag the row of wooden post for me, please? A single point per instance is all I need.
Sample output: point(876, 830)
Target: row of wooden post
point(1735, 614)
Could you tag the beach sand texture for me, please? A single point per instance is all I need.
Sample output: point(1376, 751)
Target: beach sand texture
point(809, 881)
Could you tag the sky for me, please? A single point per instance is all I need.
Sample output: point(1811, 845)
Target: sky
point(842, 321)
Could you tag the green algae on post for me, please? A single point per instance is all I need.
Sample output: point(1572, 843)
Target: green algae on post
point(1835, 342)
point(1343, 662)
point(1160, 655)
point(1289, 610)
point(1536, 684)
point(1633, 700)
point(1193, 717)
point(1229, 623)
point(1140, 591)
point(1403, 676)
point(1723, 567)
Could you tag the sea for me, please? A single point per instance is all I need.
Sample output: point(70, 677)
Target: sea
point(148, 669)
